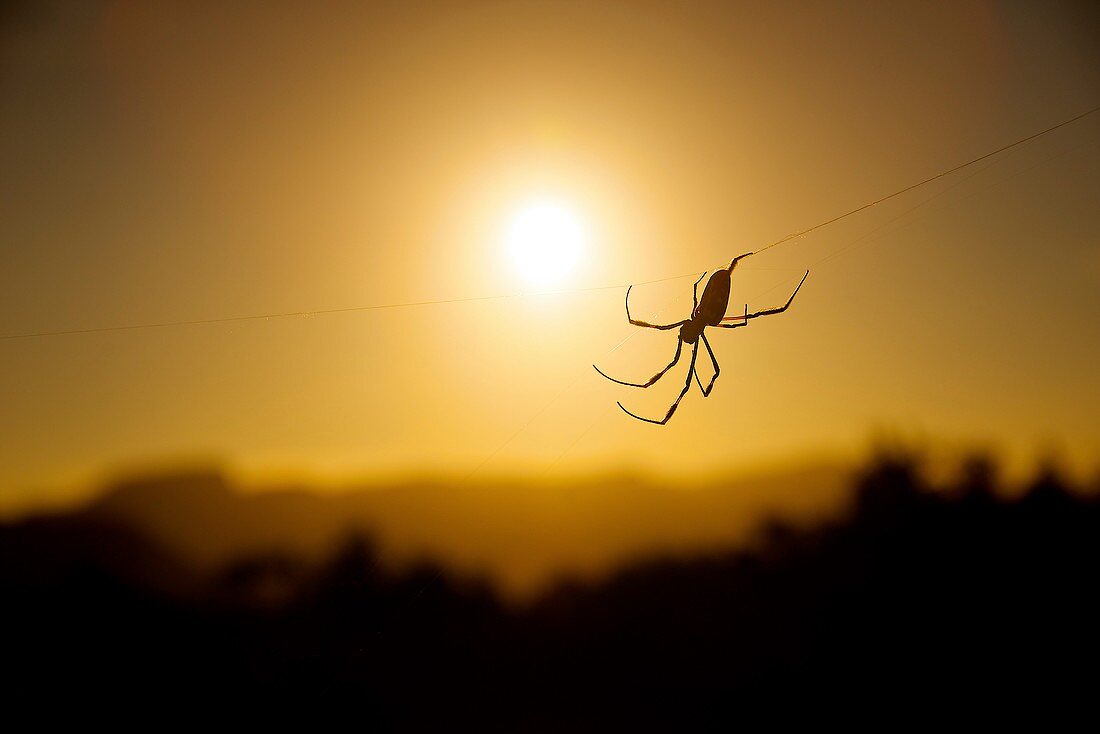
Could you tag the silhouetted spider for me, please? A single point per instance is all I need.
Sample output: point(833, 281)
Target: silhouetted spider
point(709, 312)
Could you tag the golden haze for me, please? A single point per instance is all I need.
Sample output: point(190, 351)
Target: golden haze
point(187, 160)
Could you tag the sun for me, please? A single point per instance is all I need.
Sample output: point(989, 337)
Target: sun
point(546, 242)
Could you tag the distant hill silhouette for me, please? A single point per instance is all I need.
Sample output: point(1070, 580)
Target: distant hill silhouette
point(522, 535)
point(918, 599)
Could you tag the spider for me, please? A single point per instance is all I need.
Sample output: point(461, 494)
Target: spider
point(708, 312)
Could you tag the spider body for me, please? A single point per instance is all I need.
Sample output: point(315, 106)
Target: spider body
point(708, 311)
point(710, 308)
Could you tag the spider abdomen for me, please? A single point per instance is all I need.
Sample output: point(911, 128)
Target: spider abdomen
point(716, 296)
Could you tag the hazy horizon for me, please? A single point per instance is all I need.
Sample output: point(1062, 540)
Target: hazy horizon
point(941, 459)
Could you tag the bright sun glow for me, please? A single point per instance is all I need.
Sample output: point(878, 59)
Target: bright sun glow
point(546, 243)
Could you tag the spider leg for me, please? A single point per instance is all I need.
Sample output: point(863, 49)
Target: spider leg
point(739, 258)
point(771, 311)
point(659, 375)
point(646, 324)
point(743, 319)
point(695, 293)
point(714, 362)
point(687, 386)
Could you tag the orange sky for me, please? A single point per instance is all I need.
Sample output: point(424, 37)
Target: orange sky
point(191, 160)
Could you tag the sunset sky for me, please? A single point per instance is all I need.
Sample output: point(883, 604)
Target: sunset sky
point(192, 160)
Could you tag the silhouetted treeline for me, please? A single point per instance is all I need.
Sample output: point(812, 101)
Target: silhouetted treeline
point(920, 594)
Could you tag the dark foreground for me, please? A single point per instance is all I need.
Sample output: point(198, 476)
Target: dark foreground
point(920, 596)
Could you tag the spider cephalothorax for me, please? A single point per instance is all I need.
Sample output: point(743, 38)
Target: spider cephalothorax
point(710, 311)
